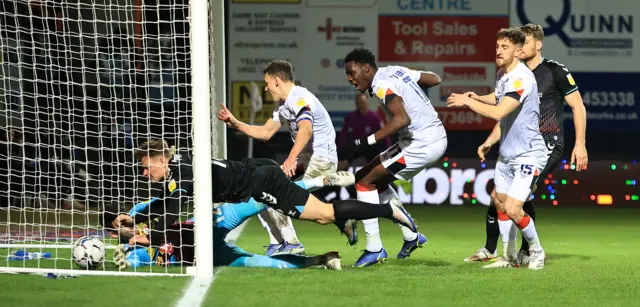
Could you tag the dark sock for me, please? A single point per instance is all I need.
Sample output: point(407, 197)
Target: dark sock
point(528, 209)
point(358, 210)
point(492, 229)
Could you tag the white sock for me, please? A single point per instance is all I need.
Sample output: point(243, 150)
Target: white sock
point(508, 232)
point(505, 229)
point(372, 231)
point(272, 239)
point(313, 183)
point(371, 226)
point(385, 198)
point(289, 233)
point(531, 235)
point(285, 226)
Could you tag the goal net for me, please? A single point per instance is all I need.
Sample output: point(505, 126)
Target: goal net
point(82, 84)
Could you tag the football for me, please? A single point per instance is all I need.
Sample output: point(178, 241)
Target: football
point(88, 252)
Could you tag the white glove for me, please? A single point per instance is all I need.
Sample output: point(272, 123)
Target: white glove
point(120, 257)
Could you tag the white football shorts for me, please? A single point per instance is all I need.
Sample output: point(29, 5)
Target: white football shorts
point(407, 158)
point(516, 177)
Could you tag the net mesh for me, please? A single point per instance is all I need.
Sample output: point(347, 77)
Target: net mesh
point(81, 84)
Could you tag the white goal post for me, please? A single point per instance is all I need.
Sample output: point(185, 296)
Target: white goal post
point(82, 84)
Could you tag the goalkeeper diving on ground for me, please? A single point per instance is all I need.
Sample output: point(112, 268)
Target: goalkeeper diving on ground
point(237, 182)
point(180, 246)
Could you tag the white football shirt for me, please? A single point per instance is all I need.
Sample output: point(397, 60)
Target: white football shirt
point(520, 130)
point(303, 105)
point(425, 125)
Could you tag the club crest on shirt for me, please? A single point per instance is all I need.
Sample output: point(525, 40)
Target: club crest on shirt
point(172, 185)
point(517, 84)
point(380, 93)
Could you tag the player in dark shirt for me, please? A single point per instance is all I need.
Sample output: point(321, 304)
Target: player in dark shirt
point(238, 181)
point(555, 85)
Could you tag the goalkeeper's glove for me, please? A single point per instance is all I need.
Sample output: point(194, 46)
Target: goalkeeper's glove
point(120, 257)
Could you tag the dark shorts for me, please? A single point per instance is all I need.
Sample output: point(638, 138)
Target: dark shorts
point(554, 158)
point(272, 188)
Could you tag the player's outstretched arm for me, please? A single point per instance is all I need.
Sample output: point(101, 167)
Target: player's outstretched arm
point(497, 112)
point(263, 133)
point(487, 99)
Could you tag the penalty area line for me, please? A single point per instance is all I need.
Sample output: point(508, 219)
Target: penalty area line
point(197, 288)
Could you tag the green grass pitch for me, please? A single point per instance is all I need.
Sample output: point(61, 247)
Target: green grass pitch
point(592, 261)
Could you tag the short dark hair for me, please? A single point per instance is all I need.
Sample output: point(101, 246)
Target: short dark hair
point(109, 214)
point(534, 30)
point(154, 147)
point(281, 69)
point(361, 56)
point(514, 35)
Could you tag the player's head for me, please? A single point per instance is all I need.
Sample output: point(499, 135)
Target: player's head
point(533, 42)
point(362, 103)
point(509, 46)
point(360, 67)
point(154, 156)
point(278, 76)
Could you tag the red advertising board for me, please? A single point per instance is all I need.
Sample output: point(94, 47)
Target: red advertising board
point(438, 38)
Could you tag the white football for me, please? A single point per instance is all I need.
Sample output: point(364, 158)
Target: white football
point(88, 252)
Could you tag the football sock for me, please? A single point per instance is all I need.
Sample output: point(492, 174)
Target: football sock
point(528, 209)
point(492, 229)
point(371, 226)
point(508, 233)
point(385, 198)
point(528, 229)
point(275, 237)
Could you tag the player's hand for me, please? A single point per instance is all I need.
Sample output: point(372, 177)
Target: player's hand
point(483, 150)
point(226, 116)
point(122, 220)
point(471, 95)
point(456, 100)
point(289, 166)
point(579, 157)
point(120, 257)
point(139, 240)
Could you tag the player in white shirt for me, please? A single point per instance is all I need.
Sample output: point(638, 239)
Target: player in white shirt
point(422, 141)
point(522, 148)
point(314, 150)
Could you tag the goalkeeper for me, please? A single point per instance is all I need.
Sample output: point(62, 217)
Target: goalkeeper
point(226, 218)
point(262, 179)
